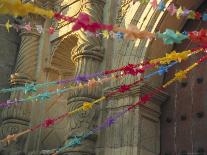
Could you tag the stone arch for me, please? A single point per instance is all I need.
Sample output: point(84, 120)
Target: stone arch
point(60, 62)
point(60, 67)
point(146, 18)
point(168, 21)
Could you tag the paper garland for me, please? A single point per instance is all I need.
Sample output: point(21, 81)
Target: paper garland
point(83, 21)
point(112, 120)
point(177, 11)
point(87, 105)
point(127, 70)
point(17, 8)
point(79, 79)
point(27, 27)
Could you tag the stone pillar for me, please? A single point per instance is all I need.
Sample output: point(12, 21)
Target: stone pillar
point(137, 132)
point(9, 43)
point(17, 118)
point(87, 56)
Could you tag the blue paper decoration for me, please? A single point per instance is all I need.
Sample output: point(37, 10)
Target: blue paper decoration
point(29, 88)
point(161, 6)
point(204, 17)
point(44, 96)
point(170, 37)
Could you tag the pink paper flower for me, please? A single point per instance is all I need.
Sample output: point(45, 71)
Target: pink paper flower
point(48, 122)
point(51, 30)
point(124, 88)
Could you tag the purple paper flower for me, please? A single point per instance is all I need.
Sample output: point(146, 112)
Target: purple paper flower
point(186, 12)
point(82, 78)
point(111, 121)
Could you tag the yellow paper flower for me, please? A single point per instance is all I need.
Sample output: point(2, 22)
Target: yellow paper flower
point(8, 25)
point(87, 106)
point(105, 34)
point(183, 55)
point(180, 75)
point(16, 8)
point(179, 12)
point(173, 56)
point(191, 15)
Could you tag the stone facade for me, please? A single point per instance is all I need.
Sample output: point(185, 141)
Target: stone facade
point(144, 131)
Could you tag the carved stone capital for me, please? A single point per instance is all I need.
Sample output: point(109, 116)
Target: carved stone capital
point(89, 50)
point(20, 79)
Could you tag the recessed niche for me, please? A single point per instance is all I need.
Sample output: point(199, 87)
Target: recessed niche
point(200, 114)
point(168, 120)
point(184, 84)
point(199, 80)
point(183, 117)
point(201, 151)
point(183, 153)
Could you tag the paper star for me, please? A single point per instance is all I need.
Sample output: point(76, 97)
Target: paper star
point(171, 9)
point(180, 75)
point(75, 141)
point(154, 4)
point(86, 106)
point(80, 85)
point(186, 12)
point(44, 96)
point(29, 88)
point(81, 78)
point(10, 138)
point(28, 27)
point(145, 98)
point(51, 30)
point(204, 17)
point(191, 15)
point(179, 12)
point(162, 70)
point(198, 15)
point(91, 83)
point(48, 122)
point(124, 88)
point(8, 25)
point(105, 34)
point(111, 121)
point(170, 37)
point(161, 6)
point(99, 81)
point(119, 35)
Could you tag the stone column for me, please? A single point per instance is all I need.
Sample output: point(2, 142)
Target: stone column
point(87, 56)
point(137, 132)
point(9, 43)
point(17, 118)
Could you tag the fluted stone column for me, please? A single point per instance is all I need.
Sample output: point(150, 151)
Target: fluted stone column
point(17, 118)
point(87, 56)
point(9, 43)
